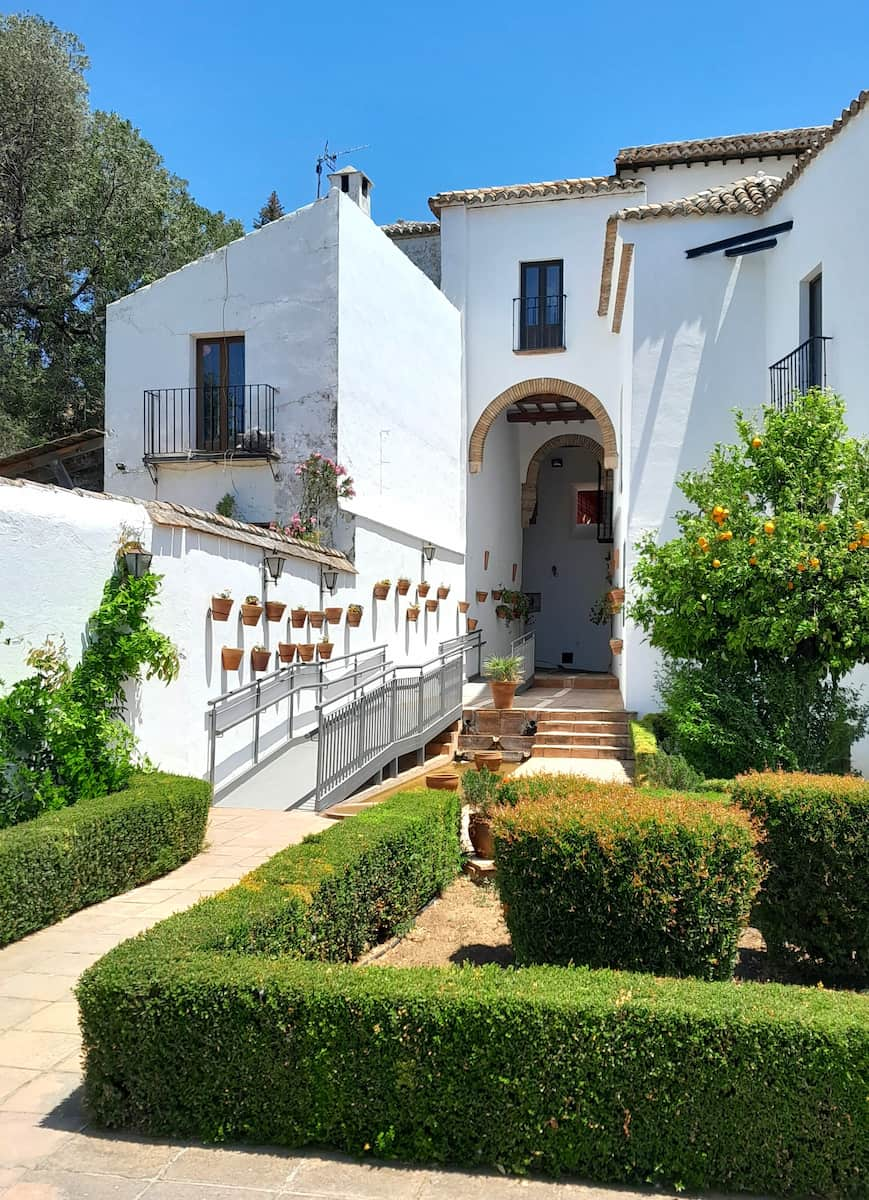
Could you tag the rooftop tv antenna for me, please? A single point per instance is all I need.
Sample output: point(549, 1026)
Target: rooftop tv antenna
point(329, 158)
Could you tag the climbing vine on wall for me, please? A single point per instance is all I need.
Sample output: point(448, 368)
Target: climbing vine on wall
point(62, 737)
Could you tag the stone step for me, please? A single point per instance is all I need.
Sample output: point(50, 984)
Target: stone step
point(564, 750)
point(580, 682)
point(543, 715)
point(621, 728)
point(561, 738)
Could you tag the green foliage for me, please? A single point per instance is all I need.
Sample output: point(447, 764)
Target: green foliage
point(88, 213)
point(62, 861)
point(610, 1076)
point(656, 768)
point(513, 605)
point(272, 210)
point(480, 790)
point(503, 668)
point(813, 910)
point(226, 505)
point(61, 735)
point(616, 877)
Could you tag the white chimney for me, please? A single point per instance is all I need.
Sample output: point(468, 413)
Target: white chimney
point(355, 184)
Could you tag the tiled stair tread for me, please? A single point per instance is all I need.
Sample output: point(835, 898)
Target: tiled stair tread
point(614, 752)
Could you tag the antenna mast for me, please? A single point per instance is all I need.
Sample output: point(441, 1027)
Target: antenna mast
point(329, 158)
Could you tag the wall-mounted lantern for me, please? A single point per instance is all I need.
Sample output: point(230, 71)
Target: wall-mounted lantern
point(329, 579)
point(274, 565)
point(137, 562)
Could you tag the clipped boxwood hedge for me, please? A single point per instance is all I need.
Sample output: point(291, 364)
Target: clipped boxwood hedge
point(626, 878)
point(813, 909)
point(220, 1023)
point(64, 860)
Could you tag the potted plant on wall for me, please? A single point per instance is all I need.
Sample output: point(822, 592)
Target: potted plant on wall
point(472, 624)
point(316, 619)
point(305, 651)
point(464, 605)
point(602, 610)
point(443, 591)
point(616, 645)
point(431, 605)
point(413, 612)
point(230, 657)
point(275, 610)
point(221, 605)
point(251, 610)
point(325, 648)
point(333, 616)
point(514, 606)
point(616, 598)
point(260, 658)
point(402, 585)
point(298, 616)
point(497, 593)
point(504, 673)
point(286, 651)
point(381, 589)
point(354, 615)
point(482, 597)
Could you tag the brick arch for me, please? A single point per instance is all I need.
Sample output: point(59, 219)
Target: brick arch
point(529, 488)
point(546, 387)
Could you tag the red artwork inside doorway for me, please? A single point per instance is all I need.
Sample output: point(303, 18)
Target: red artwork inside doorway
point(587, 508)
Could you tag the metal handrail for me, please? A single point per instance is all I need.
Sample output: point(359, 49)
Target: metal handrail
point(390, 669)
point(795, 373)
point(236, 419)
point(469, 642)
point(292, 668)
point(525, 647)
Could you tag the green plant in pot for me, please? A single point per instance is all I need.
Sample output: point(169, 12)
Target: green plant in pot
point(504, 674)
point(480, 790)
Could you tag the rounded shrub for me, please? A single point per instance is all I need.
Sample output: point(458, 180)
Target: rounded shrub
point(617, 877)
point(813, 909)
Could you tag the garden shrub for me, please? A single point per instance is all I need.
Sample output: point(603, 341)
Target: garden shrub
point(620, 877)
point(64, 860)
point(653, 766)
point(813, 909)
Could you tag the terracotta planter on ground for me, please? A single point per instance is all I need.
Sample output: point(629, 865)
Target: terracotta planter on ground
point(502, 693)
point(403, 587)
point(324, 650)
point(305, 651)
point(413, 613)
point(230, 658)
point(221, 607)
point(616, 645)
point(423, 589)
point(472, 624)
point(381, 591)
point(490, 759)
point(261, 660)
point(333, 616)
point(442, 783)
point(482, 597)
point(431, 606)
point(251, 613)
point(464, 605)
point(316, 619)
point(443, 592)
point(480, 833)
point(286, 651)
point(298, 617)
point(354, 617)
point(275, 610)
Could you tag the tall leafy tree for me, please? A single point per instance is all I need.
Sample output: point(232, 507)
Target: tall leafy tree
point(88, 213)
point(270, 211)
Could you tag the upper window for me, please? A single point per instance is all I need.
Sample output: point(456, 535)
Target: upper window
point(220, 393)
point(540, 315)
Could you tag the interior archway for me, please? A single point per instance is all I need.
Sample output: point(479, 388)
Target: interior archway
point(529, 487)
point(547, 387)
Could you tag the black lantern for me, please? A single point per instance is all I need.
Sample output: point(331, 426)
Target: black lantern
point(428, 551)
point(137, 562)
point(330, 580)
point(274, 564)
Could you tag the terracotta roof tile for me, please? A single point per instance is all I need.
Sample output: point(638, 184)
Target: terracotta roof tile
point(557, 189)
point(412, 229)
point(749, 195)
point(739, 145)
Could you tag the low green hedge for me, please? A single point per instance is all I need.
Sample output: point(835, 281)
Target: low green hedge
point(64, 860)
point(813, 909)
point(626, 878)
point(655, 767)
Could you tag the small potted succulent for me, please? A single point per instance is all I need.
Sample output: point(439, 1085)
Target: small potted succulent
point(325, 648)
point(354, 615)
point(402, 585)
point(221, 605)
point(504, 673)
point(381, 589)
point(482, 597)
point(472, 624)
point(316, 619)
point(298, 617)
point(464, 605)
point(286, 651)
point(260, 658)
point(443, 591)
point(431, 605)
point(333, 616)
point(251, 610)
point(423, 588)
point(230, 657)
point(275, 610)
point(305, 651)
point(413, 612)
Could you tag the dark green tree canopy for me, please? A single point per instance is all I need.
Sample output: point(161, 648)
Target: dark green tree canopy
point(88, 213)
point(270, 211)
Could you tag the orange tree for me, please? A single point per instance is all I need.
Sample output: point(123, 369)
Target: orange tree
point(762, 600)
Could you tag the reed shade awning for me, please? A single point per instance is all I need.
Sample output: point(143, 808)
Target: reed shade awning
point(546, 410)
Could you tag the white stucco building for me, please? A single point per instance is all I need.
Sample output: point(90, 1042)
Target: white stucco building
point(520, 380)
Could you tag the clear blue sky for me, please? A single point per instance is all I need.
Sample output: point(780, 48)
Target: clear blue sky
point(239, 98)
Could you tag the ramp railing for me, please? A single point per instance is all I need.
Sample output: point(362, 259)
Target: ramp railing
point(525, 648)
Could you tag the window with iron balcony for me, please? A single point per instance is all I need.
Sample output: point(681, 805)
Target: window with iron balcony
point(538, 312)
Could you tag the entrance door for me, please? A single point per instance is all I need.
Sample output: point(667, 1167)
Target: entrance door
point(219, 393)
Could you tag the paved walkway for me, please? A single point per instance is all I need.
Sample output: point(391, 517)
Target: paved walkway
point(608, 770)
point(49, 1152)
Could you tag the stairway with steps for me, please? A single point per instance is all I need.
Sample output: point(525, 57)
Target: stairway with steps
point(588, 683)
point(586, 733)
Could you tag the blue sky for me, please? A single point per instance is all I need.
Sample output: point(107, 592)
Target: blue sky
point(239, 98)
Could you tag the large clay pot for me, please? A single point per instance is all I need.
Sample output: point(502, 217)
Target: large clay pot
point(480, 833)
point(442, 783)
point(286, 651)
point(275, 610)
point(230, 657)
point(490, 759)
point(333, 616)
point(305, 651)
point(251, 613)
point(261, 659)
point(502, 693)
point(221, 606)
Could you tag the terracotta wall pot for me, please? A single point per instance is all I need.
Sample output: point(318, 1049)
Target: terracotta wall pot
point(381, 591)
point(464, 605)
point(423, 589)
point(413, 613)
point(472, 624)
point(333, 615)
point(251, 613)
point(324, 650)
point(482, 597)
point(354, 618)
point(316, 619)
point(305, 651)
point(502, 693)
point(275, 610)
point(431, 606)
point(286, 651)
point(443, 592)
point(403, 587)
point(616, 597)
point(502, 611)
point(480, 833)
point(490, 759)
point(220, 608)
point(230, 658)
point(298, 617)
point(442, 783)
point(496, 596)
point(261, 659)
point(616, 645)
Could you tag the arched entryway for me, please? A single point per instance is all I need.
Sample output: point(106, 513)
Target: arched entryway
point(532, 475)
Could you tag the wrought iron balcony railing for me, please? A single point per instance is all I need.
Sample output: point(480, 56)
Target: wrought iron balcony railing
point(210, 420)
point(538, 322)
point(803, 368)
